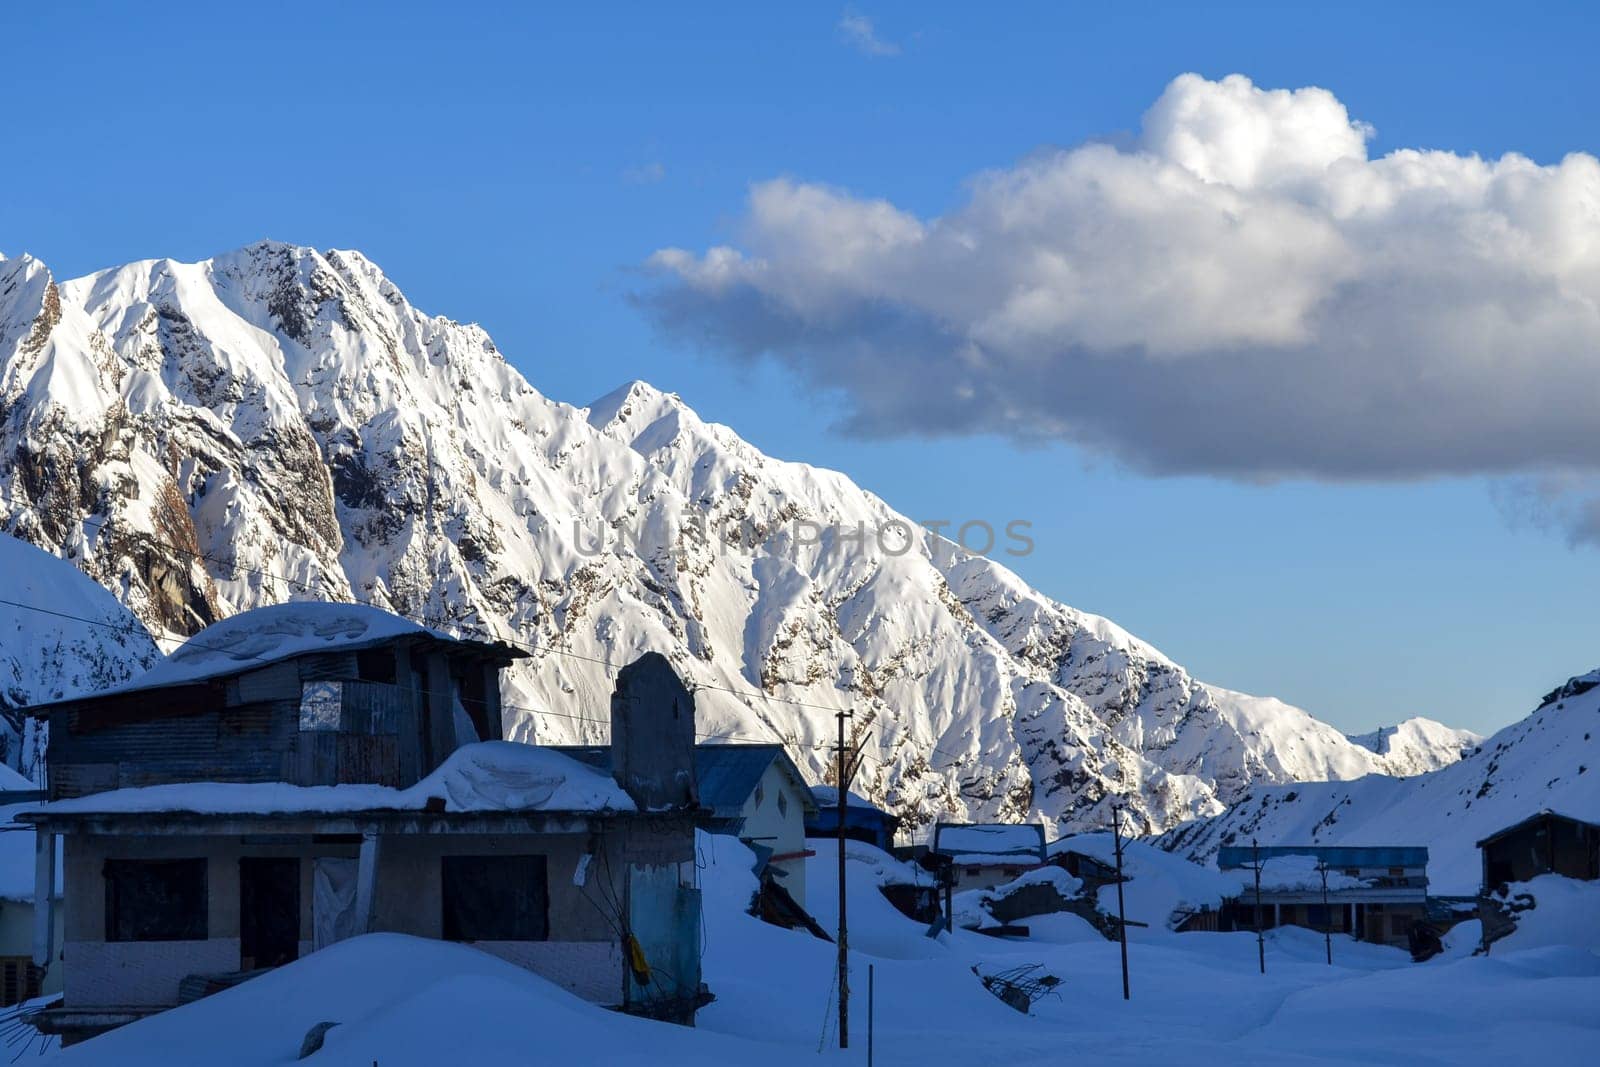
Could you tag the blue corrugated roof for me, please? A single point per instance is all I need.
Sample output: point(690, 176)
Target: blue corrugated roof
point(1231, 857)
point(727, 774)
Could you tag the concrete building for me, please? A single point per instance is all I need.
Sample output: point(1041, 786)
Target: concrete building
point(753, 792)
point(984, 855)
point(1373, 893)
point(300, 774)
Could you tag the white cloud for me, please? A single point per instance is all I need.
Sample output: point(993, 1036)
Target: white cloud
point(859, 32)
point(1240, 291)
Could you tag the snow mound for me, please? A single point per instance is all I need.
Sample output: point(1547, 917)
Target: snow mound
point(1565, 912)
point(401, 1001)
point(485, 776)
point(1160, 885)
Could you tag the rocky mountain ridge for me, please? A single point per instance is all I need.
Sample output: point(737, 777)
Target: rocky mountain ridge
point(277, 422)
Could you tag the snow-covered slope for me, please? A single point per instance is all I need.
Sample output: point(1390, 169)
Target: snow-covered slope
point(291, 421)
point(1551, 759)
point(47, 656)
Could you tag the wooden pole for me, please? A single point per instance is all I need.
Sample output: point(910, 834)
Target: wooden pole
point(844, 928)
point(871, 1013)
point(1122, 915)
point(1327, 916)
point(1261, 941)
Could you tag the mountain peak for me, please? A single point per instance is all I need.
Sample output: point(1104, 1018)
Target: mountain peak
point(631, 402)
point(288, 413)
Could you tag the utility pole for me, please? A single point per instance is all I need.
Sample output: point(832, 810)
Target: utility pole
point(1122, 915)
point(1261, 941)
point(1327, 916)
point(845, 773)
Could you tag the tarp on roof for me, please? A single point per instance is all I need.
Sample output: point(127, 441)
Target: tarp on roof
point(727, 773)
point(1230, 857)
point(990, 842)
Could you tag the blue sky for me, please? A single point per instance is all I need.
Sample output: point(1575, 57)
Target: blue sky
point(517, 168)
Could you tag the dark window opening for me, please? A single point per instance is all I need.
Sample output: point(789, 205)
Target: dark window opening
point(155, 900)
point(269, 911)
point(376, 665)
point(19, 980)
point(495, 898)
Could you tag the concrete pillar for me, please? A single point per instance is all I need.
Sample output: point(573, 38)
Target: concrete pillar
point(367, 883)
point(44, 897)
point(1277, 915)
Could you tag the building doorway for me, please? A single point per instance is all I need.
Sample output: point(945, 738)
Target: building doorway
point(269, 911)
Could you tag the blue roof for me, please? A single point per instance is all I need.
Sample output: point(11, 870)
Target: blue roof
point(726, 773)
point(1231, 857)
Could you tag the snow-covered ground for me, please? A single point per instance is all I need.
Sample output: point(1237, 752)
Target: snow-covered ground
point(1197, 998)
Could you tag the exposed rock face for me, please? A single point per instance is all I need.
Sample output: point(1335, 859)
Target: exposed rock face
point(289, 420)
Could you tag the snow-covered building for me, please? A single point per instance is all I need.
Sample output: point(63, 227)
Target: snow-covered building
point(984, 855)
point(753, 792)
point(1374, 893)
point(863, 820)
point(302, 773)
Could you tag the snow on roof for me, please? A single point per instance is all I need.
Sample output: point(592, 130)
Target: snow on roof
point(1300, 872)
point(828, 797)
point(990, 843)
point(266, 635)
point(1234, 856)
point(488, 776)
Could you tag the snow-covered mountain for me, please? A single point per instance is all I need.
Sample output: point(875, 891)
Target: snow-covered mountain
point(85, 640)
point(1551, 759)
point(291, 421)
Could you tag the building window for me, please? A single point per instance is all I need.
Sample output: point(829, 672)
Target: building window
point(783, 804)
point(376, 665)
point(495, 898)
point(761, 794)
point(155, 900)
point(19, 980)
point(1398, 925)
point(1353, 872)
point(973, 872)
